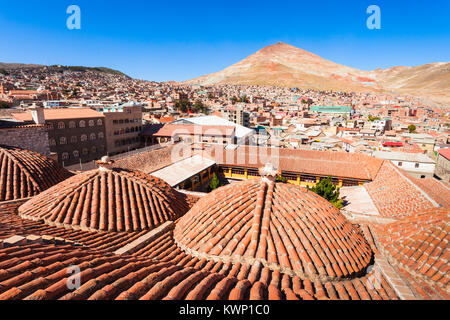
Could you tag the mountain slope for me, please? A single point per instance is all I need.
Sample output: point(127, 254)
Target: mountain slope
point(5, 67)
point(284, 65)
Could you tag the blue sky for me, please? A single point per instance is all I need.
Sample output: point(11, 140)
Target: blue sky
point(179, 40)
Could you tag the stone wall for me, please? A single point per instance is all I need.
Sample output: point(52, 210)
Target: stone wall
point(34, 138)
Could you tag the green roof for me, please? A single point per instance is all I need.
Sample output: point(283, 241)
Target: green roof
point(332, 109)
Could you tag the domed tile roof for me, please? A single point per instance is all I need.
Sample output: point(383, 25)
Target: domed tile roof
point(107, 199)
point(25, 173)
point(285, 227)
point(420, 244)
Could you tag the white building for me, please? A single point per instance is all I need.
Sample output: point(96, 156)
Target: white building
point(243, 135)
point(418, 165)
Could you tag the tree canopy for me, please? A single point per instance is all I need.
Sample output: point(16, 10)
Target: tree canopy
point(412, 128)
point(327, 190)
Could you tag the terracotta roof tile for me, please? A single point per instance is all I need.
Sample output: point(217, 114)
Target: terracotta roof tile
point(107, 200)
point(279, 225)
point(26, 173)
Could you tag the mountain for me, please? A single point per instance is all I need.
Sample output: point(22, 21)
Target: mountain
point(285, 65)
point(5, 67)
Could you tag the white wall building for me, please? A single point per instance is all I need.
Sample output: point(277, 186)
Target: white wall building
point(418, 165)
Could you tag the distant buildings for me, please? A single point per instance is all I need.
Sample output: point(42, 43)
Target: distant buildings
point(237, 115)
point(123, 125)
point(332, 110)
point(76, 135)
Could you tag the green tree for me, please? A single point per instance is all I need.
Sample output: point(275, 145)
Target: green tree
point(4, 105)
point(215, 182)
point(244, 99)
point(372, 118)
point(327, 190)
point(280, 178)
point(412, 128)
point(234, 99)
point(183, 105)
point(210, 96)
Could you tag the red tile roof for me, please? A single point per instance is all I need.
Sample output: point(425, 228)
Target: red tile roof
point(419, 245)
point(445, 153)
point(108, 200)
point(395, 195)
point(61, 114)
point(323, 163)
point(169, 130)
point(26, 173)
point(282, 226)
point(33, 271)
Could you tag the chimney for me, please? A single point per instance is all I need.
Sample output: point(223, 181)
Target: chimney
point(268, 173)
point(105, 164)
point(38, 114)
point(53, 156)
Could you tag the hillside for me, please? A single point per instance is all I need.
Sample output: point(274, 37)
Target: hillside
point(5, 67)
point(285, 65)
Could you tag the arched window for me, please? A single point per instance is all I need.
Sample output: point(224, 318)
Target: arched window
point(72, 124)
point(62, 140)
point(92, 136)
point(82, 124)
point(102, 148)
point(100, 135)
point(61, 125)
point(52, 142)
point(83, 137)
point(91, 123)
point(50, 126)
point(85, 151)
point(65, 156)
point(99, 122)
point(73, 139)
point(76, 154)
point(94, 149)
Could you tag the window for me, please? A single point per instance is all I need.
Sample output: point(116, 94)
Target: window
point(72, 124)
point(61, 125)
point(62, 140)
point(99, 122)
point(83, 137)
point(102, 148)
point(100, 135)
point(76, 154)
point(50, 126)
point(422, 177)
point(52, 142)
point(94, 149)
point(73, 139)
point(82, 124)
point(85, 151)
point(91, 123)
point(416, 165)
point(400, 164)
point(92, 136)
point(65, 156)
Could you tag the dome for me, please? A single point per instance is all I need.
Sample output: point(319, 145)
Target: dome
point(420, 244)
point(107, 199)
point(25, 173)
point(282, 226)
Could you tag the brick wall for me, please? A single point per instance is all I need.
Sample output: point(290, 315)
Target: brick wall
point(34, 138)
